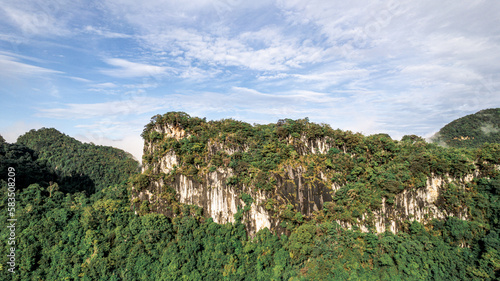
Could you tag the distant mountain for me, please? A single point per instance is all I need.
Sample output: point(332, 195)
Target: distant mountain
point(472, 130)
point(79, 166)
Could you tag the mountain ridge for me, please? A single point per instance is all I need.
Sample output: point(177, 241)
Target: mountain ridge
point(294, 170)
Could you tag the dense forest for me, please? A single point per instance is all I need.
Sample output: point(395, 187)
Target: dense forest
point(75, 221)
point(471, 131)
point(79, 166)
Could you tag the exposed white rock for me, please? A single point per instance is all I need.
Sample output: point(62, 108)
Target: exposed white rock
point(257, 214)
point(171, 131)
point(221, 202)
point(168, 162)
point(417, 205)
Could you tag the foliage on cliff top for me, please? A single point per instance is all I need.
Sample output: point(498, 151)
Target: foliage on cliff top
point(472, 130)
point(80, 165)
point(254, 151)
point(368, 169)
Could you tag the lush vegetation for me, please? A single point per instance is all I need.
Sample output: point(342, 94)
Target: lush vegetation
point(69, 231)
point(471, 131)
point(368, 170)
point(79, 166)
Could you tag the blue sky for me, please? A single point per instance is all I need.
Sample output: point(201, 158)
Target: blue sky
point(99, 70)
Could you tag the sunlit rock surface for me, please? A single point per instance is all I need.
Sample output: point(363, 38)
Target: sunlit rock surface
point(221, 201)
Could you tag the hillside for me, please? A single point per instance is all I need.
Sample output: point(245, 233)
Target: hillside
point(65, 232)
point(80, 166)
point(471, 131)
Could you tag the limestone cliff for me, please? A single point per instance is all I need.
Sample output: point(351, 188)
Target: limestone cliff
point(293, 191)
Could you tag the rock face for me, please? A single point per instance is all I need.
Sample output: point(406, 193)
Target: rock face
point(420, 204)
point(221, 200)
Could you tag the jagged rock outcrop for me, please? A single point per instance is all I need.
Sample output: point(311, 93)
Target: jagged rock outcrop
point(293, 186)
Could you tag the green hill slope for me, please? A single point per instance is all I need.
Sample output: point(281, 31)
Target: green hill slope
point(79, 164)
point(472, 130)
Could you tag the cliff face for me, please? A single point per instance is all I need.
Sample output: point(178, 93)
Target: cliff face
point(421, 205)
point(294, 187)
point(219, 201)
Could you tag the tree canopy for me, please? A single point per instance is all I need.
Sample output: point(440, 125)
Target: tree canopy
point(80, 166)
point(65, 232)
point(471, 131)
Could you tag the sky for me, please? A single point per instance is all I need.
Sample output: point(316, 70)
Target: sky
point(99, 70)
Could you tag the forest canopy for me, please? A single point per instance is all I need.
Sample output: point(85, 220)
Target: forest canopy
point(79, 166)
point(74, 220)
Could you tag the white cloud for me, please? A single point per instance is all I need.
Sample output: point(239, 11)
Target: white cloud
point(240, 51)
point(79, 79)
point(15, 69)
point(380, 66)
point(105, 33)
point(39, 18)
point(105, 85)
point(197, 36)
point(432, 74)
point(32, 22)
point(144, 85)
point(128, 69)
point(286, 98)
point(267, 76)
point(133, 105)
point(425, 59)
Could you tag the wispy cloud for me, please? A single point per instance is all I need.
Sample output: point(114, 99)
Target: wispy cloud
point(80, 79)
point(35, 18)
point(127, 106)
point(13, 68)
point(105, 85)
point(105, 33)
point(127, 69)
point(249, 50)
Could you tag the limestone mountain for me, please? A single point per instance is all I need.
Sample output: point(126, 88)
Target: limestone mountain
point(280, 175)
